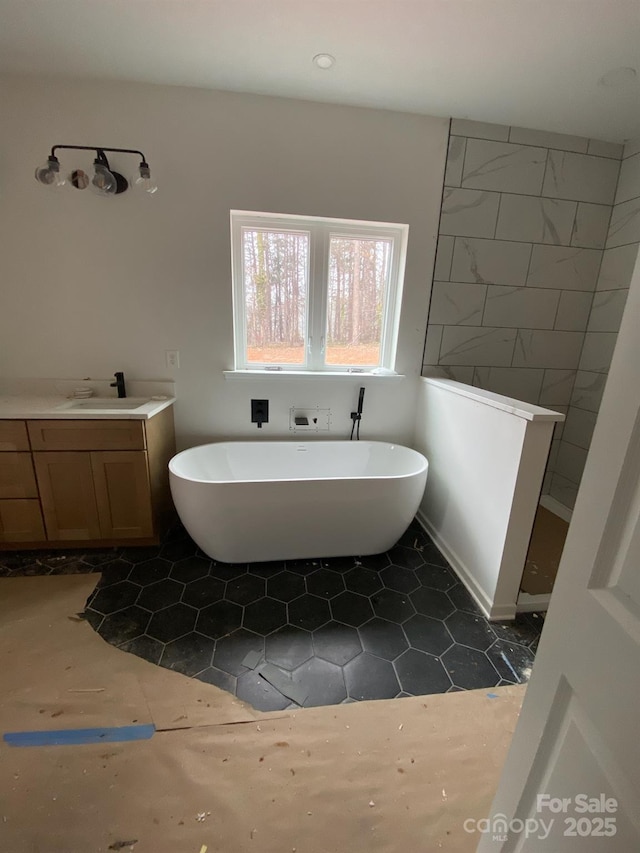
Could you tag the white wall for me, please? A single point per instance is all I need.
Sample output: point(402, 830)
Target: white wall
point(93, 285)
point(487, 455)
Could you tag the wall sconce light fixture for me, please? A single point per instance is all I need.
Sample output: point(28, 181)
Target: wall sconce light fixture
point(104, 181)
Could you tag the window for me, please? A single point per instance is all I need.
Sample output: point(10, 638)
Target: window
point(315, 294)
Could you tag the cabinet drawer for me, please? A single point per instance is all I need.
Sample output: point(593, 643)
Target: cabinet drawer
point(21, 521)
point(13, 435)
point(17, 479)
point(86, 435)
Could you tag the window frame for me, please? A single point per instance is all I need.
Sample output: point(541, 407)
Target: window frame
point(320, 231)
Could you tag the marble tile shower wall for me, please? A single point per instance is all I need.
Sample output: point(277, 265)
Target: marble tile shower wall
point(612, 287)
point(524, 222)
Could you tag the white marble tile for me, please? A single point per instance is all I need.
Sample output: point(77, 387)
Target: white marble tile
point(521, 307)
point(517, 382)
point(557, 386)
point(469, 213)
point(629, 180)
point(625, 224)
point(559, 427)
point(563, 490)
point(455, 160)
point(573, 310)
point(597, 351)
point(607, 310)
point(459, 373)
point(547, 349)
point(579, 426)
point(432, 344)
point(536, 220)
point(479, 129)
point(553, 458)
point(454, 303)
point(605, 149)
point(564, 268)
point(571, 461)
point(588, 390)
point(581, 177)
point(444, 254)
point(562, 141)
point(490, 261)
point(477, 346)
point(617, 267)
point(632, 146)
point(591, 225)
point(503, 167)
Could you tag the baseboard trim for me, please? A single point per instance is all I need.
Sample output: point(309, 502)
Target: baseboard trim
point(493, 612)
point(556, 507)
point(532, 603)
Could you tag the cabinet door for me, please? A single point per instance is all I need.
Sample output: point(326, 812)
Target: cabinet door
point(16, 476)
point(21, 521)
point(13, 435)
point(68, 500)
point(121, 480)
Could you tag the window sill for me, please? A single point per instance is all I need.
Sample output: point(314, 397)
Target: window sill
point(280, 375)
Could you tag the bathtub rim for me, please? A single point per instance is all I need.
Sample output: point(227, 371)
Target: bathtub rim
point(424, 467)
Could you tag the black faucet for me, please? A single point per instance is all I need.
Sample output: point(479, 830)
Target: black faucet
point(119, 384)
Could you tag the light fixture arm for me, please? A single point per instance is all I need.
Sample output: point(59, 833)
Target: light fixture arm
point(99, 148)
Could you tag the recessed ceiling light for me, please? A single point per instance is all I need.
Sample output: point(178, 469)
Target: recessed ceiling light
point(618, 77)
point(324, 61)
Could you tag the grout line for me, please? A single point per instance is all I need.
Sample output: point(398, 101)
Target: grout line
point(538, 195)
point(509, 141)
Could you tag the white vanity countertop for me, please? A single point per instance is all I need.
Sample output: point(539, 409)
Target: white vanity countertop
point(18, 406)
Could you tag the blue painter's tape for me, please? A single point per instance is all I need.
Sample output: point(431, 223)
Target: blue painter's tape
point(68, 737)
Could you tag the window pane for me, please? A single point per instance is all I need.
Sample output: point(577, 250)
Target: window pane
point(276, 265)
point(358, 281)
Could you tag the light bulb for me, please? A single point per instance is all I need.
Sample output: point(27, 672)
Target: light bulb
point(50, 175)
point(103, 181)
point(142, 181)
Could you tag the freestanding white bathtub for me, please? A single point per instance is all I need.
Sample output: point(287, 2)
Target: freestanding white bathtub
point(245, 502)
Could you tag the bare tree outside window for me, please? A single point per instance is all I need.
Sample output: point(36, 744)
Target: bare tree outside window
point(358, 278)
point(276, 273)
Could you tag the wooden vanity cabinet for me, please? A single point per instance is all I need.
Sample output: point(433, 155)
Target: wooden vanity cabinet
point(90, 482)
point(20, 515)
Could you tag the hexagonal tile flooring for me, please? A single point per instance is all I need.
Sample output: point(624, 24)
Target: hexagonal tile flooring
point(337, 630)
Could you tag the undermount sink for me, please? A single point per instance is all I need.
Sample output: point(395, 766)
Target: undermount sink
point(128, 403)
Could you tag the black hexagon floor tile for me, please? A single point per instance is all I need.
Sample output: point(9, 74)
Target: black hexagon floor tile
point(421, 673)
point(285, 586)
point(336, 643)
point(469, 668)
point(232, 650)
point(219, 619)
point(427, 634)
point(369, 677)
point(189, 654)
point(361, 627)
point(382, 638)
point(309, 612)
point(172, 622)
point(203, 592)
point(288, 647)
point(245, 589)
point(350, 608)
point(325, 583)
point(470, 630)
point(321, 681)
